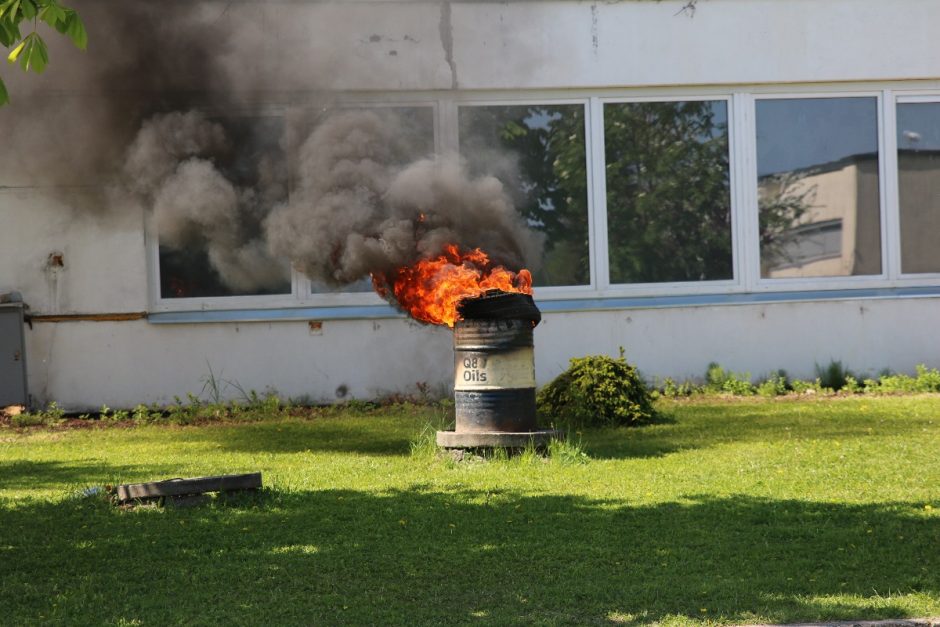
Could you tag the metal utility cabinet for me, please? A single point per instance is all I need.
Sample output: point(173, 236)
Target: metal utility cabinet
point(13, 389)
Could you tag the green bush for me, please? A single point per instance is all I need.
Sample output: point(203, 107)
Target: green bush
point(809, 387)
point(673, 389)
point(834, 376)
point(774, 385)
point(926, 380)
point(50, 416)
point(596, 391)
point(719, 380)
point(852, 385)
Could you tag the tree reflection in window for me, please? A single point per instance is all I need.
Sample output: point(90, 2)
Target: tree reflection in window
point(668, 191)
point(538, 152)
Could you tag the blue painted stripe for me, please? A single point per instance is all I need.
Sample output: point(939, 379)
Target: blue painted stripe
point(698, 300)
point(274, 315)
point(354, 312)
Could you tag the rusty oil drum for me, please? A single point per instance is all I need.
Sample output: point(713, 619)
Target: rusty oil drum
point(494, 366)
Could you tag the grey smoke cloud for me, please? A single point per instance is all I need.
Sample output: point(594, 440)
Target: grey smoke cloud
point(360, 208)
point(170, 167)
point(163, 142)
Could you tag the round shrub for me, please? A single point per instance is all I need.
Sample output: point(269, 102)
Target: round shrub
point(596, 391)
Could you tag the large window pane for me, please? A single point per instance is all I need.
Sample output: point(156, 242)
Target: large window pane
point(218, 250)
point(919, 185)
point(668, 191)
point(538, 151)
point(817, 178)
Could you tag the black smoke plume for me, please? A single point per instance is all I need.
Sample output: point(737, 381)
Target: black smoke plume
point(150, 115)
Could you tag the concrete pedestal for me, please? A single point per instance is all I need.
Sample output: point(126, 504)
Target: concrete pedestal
point(496, 439)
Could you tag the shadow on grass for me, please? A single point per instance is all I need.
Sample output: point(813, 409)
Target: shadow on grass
point(26, 474)
point(346, 557)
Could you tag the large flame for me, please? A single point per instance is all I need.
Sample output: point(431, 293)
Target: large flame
point(431, 289)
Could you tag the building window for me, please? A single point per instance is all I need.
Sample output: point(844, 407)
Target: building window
point(918, 137)
point(413, 130)
point(668, 191)
point(210, 210)
point(818, 187)
point(539, 152)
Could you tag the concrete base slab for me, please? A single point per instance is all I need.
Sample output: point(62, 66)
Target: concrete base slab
point(496, 439)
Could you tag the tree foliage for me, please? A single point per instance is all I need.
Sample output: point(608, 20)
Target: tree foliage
point(783, 201)
point(668, 189)
point(30, 51)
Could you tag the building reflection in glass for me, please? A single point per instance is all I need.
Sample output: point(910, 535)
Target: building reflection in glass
point(918, 135)
point(818, 187)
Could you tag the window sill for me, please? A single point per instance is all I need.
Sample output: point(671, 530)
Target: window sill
point(372, 312)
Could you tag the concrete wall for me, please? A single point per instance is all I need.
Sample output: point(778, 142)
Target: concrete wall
point(85, 364)
point(530, 44)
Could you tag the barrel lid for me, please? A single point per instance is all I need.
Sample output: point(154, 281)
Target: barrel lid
point(500, 305)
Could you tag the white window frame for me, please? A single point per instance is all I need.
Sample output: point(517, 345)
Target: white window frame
point(671, 288)
point(216, 303)
point(306, 296)
point(553, 292)
point(752, 252)
point(301, 294)
point(899, 98)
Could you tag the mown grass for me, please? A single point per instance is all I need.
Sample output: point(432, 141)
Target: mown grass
point(725, 512)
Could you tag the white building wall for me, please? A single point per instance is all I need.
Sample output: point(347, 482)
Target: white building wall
point(121, 364)
point(86, 364)
point(528, 44)
point(680, 342)
point(103, 255)
point(571, 44)
point(425, 46)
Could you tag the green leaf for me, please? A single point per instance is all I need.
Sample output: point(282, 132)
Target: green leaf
point(9, 8)
point(31, 54)
point(15, 53)
point(4, 96)
point(29, 9)
point(53, 15)
point(9, 33)
point(75, 29)
point(39, 56)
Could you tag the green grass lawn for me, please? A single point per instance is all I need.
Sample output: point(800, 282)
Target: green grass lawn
point(727, 512)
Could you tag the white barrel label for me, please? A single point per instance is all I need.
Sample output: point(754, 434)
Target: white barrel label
point(494, 371)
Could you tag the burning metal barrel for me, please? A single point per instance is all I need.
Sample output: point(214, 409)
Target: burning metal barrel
point(494, 373)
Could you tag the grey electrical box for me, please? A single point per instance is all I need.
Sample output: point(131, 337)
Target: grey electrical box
point(13, 389)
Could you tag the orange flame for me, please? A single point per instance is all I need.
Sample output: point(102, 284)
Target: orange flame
point(431, 289)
